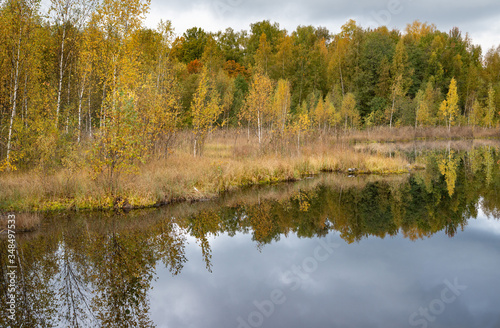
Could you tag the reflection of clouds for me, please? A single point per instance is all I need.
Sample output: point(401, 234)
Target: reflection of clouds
point(186, 304)
point(373, 283)
point(484, 224)
point(239, 239)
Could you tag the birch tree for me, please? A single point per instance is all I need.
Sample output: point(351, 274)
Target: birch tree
point(205, 109)
point(301, 124)
point(19, 16)
point(120, 143)
point(281, 104)
point(258, 102)
point(349, 112)
point(449, 107)
point(425, 106)
point(401, 76)
point(68, 16)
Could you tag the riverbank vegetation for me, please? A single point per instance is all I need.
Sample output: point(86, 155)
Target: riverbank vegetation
point(229, 161)
point(98, 110)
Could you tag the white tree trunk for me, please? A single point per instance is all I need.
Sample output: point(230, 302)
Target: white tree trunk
point(14, 97)
point(69, 100)
point(258, 126)
point(61, 74)
point(392, 110)
point(80, 107)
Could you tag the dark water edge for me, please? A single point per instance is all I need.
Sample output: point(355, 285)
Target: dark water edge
point(412, 250)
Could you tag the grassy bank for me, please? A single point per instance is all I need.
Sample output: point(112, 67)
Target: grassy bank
point(230, 161)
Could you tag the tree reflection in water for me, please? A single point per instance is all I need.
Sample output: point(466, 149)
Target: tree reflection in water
point(96, 269)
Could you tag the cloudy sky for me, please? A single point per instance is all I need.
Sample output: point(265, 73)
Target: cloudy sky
point(480, 18)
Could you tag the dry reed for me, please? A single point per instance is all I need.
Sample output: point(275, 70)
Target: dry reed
point(231, 159)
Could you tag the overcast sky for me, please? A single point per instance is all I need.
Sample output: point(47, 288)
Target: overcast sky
point(480, 18)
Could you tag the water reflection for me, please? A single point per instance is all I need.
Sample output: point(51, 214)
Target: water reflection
point(98, 269)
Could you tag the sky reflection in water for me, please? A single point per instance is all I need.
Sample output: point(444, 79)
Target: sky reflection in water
point(373, 283)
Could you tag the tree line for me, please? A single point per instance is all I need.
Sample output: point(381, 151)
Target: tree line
point(89, 72)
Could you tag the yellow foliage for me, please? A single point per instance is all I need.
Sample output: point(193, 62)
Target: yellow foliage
point(448, 168)
point(449, 107)
point(349, 112)
point(258, 109)
point(205, 109)
point(281, 104)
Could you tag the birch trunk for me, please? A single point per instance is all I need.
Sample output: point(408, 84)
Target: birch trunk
point(61, 74)
point(90, 115)
point(392, 111)
point(259, 127)
point(69, 100)
point(14, 97)
point(80, 107)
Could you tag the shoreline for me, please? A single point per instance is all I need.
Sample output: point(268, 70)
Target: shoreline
point(265, 174)
point(224, 167)
point(121, 203)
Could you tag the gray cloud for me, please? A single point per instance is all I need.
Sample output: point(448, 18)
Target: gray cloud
point(480, 18)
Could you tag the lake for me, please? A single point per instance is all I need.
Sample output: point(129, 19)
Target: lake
point(415, 250)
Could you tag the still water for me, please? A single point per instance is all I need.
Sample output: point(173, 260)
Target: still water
point(414, 250)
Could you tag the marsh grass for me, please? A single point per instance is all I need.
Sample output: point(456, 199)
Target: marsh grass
point(230, 161)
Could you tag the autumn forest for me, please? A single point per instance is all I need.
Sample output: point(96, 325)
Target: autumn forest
point(86, 87)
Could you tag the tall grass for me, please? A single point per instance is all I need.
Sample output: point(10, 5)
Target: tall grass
point(230, 160)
